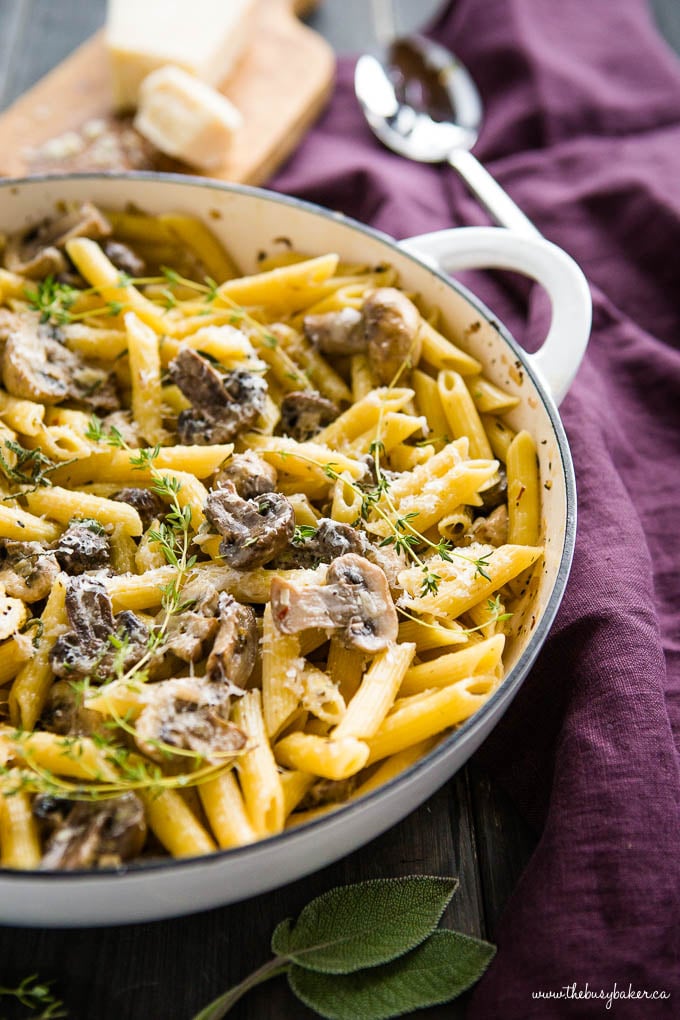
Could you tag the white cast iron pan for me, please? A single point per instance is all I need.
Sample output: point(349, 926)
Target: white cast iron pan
point(248, 221)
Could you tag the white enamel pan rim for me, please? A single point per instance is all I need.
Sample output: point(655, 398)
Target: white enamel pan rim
point(502, 696)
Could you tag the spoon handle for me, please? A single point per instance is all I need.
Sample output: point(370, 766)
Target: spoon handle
point(497, 202)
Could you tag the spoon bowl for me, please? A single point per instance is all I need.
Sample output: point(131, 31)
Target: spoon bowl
point(423, 104)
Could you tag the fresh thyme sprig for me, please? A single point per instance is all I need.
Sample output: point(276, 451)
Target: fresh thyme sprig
point(403, 535)
point(31, 468)
point(172, 535)
point(36, 994)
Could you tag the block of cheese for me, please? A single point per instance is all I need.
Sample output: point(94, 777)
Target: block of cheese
point(186, 118)
point(204, 37)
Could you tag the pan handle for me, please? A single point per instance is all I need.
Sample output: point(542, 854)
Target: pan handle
point(557, 360)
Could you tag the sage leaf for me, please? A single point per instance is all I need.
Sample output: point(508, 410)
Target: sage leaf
point(438, 970)
point(364, 925)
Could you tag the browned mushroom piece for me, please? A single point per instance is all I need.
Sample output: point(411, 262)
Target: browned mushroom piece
point(28, 570)
point(250, 475)
point(253, 531)
point(234, 650)
point(64, 712)
point(191, 715)
point(87, 649)
point(355, 601)
point(223, 403)
point(37, 366)
point(83, 546)
point(38, 252)
point(330, 540)
point(336, 332)
point(188, 632)
point(124, 258)
point(304, 413)
point(9, 321)
point(391, 328)
point(497, 492)
point(92, 835)
point(328, 791)
point(148, 505)
point(491, 530)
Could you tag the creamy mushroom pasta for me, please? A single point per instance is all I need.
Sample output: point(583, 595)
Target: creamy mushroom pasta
point(260, 538)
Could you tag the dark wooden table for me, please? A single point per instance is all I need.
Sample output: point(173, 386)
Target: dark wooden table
point(169, 969)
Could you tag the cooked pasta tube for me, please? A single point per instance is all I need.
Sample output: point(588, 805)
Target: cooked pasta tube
point(13, 654)
point(464, 587)
point(442, 354)
point(115, 465)
point(347, 664)
point(63, 504)
point(19, 839)
point(257, 771)
point(428, 634)
point(34, 679)
point(423, 717)
point(377, 692)
point(295, 785)
point(283, 289)
point(499, 434)
point(330, 759)
point(16, 523)
point(461, 413)
point(226, 812)
point(193, 234)
point(483, 657)
point(489, 398)
point(173, 823)
point(145, 374)
point(25, 416)
point(523, 491)
point(97, 269)
point(281, 675)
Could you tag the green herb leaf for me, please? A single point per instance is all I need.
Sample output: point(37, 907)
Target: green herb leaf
point(438, 970)
point(363, 925)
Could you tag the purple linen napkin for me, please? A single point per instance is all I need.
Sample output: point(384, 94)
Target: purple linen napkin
point(583, 129)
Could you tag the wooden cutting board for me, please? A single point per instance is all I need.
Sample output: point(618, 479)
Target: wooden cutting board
point(281, 84)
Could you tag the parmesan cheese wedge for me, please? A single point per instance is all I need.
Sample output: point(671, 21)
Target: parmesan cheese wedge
point(185, 118)
point(204, 37)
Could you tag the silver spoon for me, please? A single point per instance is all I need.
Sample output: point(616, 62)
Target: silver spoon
point(422, 103)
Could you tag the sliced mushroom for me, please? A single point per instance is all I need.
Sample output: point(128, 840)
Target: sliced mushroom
point(96, 835)
point(328, 791)
point(497, 492)
point(65, 713)
point(28, 570)
point(124, 258)
point(253, 531)
point(191, 715)
point(87, 649)
point(355, 601)
point(36, 366)
point(188, 632)
point(37, 253)
point(250, 475)
point(123, 422)
point(387, 327)
point(9, 321)
point(304, 413)
point(330, 540)
point(491, 530)
point(391, 327)
point(148, 505)
point(223, 403)
point(336, 332)
point(234, 650)
point(83, 546)
point(13, 615)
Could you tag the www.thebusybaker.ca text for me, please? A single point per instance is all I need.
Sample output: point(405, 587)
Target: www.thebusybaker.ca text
point(606, 995)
